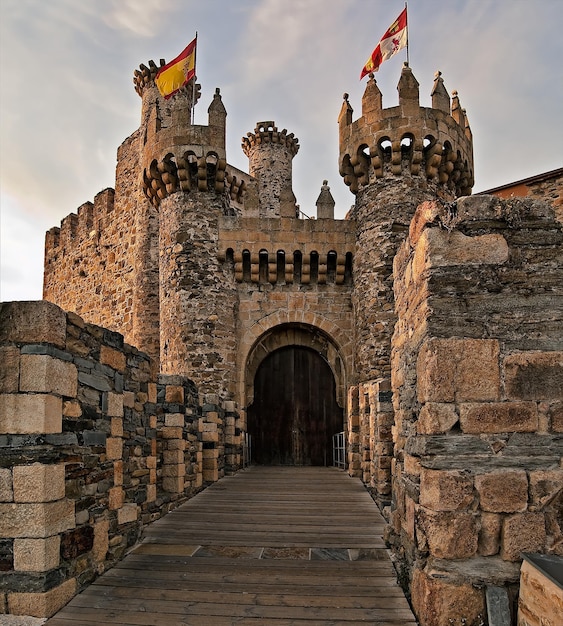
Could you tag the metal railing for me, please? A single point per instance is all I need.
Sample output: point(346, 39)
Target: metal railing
point(246, 450)
point(339, 450)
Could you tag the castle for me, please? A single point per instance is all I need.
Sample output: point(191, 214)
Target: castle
point(209, 320)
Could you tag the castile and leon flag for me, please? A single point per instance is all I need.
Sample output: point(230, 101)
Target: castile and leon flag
point(178, 72)
point(394, 40)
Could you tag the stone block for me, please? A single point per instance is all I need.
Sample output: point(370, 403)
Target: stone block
point(112, 357)
point(210, 436)
point(503, 491)
point(151, 493)
point(498, 417)
point(534, 376)
point(38, 482)
point(76, 542)
point(44, 374)
point(210, 475)
point(442, 490)
point(545, 485)
point(171, 432)
point(489, 534)
point(116, 429)
point(115, 404)
point(30, 414)
point(115, 498)
point(173, 484)
point(32, 322)
point(37, 555)
point(174, 394)
point(522, 532)
point(9, 369)
point(174, 419)
point(439, 602)
point(460, 370)
point(173, 457)
point(174, 470)
point(127, 514)
point(101, 541)
point(152, 393)
point(43, 604)
point(436, 418)
point(6, 485)
point(118, 473)
point(36, 520)
point(448, 535)
point(114, 448)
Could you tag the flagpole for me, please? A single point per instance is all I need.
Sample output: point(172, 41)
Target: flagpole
point(408, 64)
point(195, 77)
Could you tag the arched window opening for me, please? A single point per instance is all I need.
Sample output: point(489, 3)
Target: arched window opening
point(230, 259)
point(246, 265)
point(407, 145)
point(263, 266)
point(331, 267)
point(348, 269)
point(314, 267)
point(280, 260)
point(384, 148)
point(297, 266)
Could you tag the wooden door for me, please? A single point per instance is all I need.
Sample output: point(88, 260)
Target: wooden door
point(295, 412)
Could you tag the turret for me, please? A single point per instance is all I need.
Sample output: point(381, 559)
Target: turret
point(393, 159)
point(183, 176)
point(270, 154)
point(433, 144)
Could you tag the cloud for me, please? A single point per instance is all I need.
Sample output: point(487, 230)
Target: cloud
point(142, 19)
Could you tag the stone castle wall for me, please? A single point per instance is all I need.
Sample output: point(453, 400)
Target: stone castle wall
point(478, 382)
point(93, 445)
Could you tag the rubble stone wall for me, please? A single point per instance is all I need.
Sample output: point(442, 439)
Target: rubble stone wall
point(93, 446)
point(477, 376)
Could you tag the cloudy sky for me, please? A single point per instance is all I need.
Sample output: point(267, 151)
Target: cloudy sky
point(67, 100)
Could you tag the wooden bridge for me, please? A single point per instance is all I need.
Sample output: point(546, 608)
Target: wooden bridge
point(276, 546)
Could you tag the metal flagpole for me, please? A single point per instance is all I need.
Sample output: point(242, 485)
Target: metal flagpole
point(195, 77)
point(408, 64)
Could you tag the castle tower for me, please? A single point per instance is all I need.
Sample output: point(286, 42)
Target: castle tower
point(182, 170)
point(270, 154)
point(392, 160)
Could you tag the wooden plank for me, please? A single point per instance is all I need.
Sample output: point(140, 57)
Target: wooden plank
point(277, 546)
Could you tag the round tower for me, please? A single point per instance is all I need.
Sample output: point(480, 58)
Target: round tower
point(182, 176)
point(392, 160)
point(270, 154)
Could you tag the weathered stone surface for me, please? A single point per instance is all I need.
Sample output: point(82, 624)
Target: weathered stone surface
point(460, 370)
point(115, 404)
point(9, 369)
point(522, 532)
point(42, 604)
point(545, 486)
point(30, 414)
point(38, 482)
point(503, 491)
point(534, 376)
point(44, 374)
point(498, 417)
point(489, 534)
point(438, 602)
point(36, 520)
point(112, 357)
point(6, 485)
point(438, 248)
point(32, 322)
point(37, 555)
point(449, 535)
point(436, 417)
point(446, 490)
point(127, 513)
point(76, 542)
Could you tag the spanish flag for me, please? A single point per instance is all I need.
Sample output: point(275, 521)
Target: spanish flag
point(394, 39)
point(178, 73)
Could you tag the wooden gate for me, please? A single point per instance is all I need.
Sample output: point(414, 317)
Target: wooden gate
point(295, 412)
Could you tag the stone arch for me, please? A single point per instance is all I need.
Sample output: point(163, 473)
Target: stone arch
point(297, 328)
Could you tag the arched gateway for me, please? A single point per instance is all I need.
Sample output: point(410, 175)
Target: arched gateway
point(294, 392)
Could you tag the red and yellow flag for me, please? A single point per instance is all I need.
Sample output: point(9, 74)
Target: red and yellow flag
point(177, 73)
point(395, 39)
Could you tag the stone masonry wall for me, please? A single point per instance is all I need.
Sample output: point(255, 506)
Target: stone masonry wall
point(93, 446)
point(477, 376)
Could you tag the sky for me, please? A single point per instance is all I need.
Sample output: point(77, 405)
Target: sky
point(67, 99)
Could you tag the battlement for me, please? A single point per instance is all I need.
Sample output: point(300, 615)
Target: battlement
point(432, 142)
point(267, 133)
point(143, 78)
point(86, 223)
